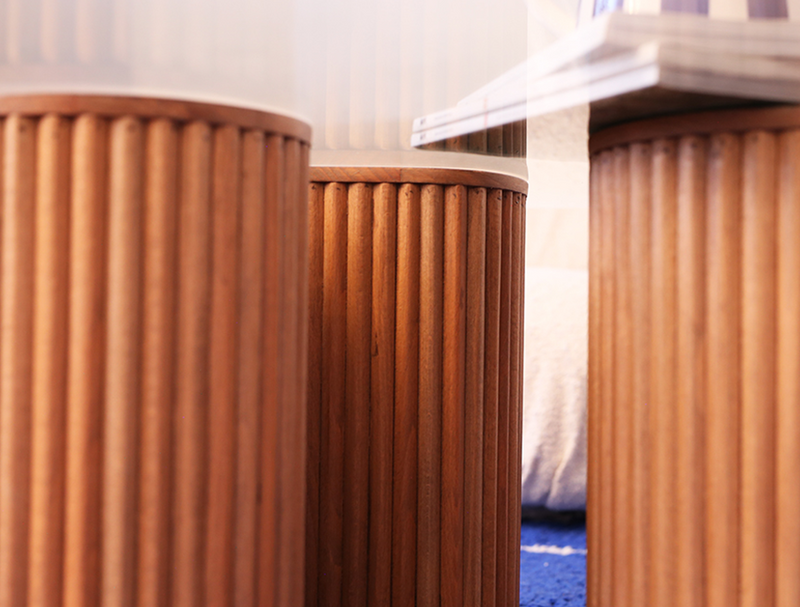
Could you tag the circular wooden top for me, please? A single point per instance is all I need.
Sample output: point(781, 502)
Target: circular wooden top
point(151, 107)
point(697, 123)
point(439, 176)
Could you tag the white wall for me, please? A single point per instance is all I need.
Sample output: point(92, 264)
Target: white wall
point(557, 216)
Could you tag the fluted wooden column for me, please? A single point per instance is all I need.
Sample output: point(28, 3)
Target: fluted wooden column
point(414, 387)
point(152, 353)
point(694, 406)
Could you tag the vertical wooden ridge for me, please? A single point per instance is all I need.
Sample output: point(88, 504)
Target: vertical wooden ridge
point(357, 395)
point(122, 386)
point(134, 273)
point(623, 410)
point(473, 406)
point(494, 215)
point(222, 364)
point(787, 526)
point(694, 362)
point(640, 225)
point(384, 247)
point(250, 354)
point(406, 395)
point(430, 395)
point(691, 369)
point(293, 370)
point(663, 368)
point(334, 338)
point(723, 305)
point(48, 423)
point(86, 354)
point(506, 544)
point(453, 395)
point(191, 399)
point(16, 353)
point(316, 231)
point(428, 368)
point(605, 418)
point(158, 356)
point(759, 212)
point(268, 525)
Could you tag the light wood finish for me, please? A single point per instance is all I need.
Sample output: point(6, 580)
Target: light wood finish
point(414, 448)
point(16, 353)
point(787, 531)
point(49, 364)
point(694, 362)
point(153, 299)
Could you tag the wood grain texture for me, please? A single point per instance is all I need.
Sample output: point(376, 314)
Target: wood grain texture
point(316, 232)
point(622, 378)
point(605, 419)
point(429, 446)
point(334, 340)
point(787, 531)
point(710, 262)
point(268, 544)
point(191, 398)
point(158, 356)
point(416, 274)
point(510, 135)
point(453, 394)
point(640, 225)
point(759, 338)
point(122, 379)
point(474, 402)
point(291, 448)
point(357, 394)
point(48, 414)
point(494, 141)
point(406, 396)
point(419, 176)
point(506, 547)
point(222, 371)
point(86, 354)
point(723, 369)
point(381, 456)
point(491, 385)
point(134, 282)
point(691, 369)
point(250, 381)
point(16, 353)
point(708, 123)
point(177, 110)
point(663, 336)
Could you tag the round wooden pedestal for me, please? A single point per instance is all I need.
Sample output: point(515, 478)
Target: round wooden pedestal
point(414, 387)
point(152, 354)
point(694, 406)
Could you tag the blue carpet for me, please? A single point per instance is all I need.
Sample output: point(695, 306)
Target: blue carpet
point(553, 564)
